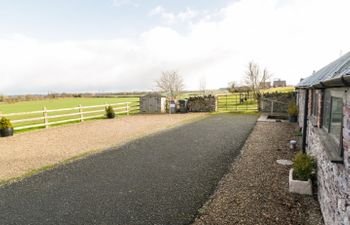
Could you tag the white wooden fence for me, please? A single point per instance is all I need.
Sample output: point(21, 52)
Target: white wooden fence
point(82, 114)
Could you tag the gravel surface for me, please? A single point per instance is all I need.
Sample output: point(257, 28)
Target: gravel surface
point(160, 179)
point(32, 150)
point(255, 190)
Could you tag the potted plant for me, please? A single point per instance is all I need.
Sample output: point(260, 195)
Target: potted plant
point(300, 174)
point(110, 112)
point(6, 128)
point(292, 112)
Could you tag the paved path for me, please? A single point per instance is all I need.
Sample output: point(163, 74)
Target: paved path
point(160, 179)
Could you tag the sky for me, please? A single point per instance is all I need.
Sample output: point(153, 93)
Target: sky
point(125, 45)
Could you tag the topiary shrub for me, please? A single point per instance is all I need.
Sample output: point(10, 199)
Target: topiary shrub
point(303, 166)
point(292, 109)
point(5, 123)
point(110, 112)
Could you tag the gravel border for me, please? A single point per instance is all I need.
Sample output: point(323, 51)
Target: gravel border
point(255, 190)
point(29, 152)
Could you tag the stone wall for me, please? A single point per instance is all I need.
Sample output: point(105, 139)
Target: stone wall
point(280, 100)
point(300, 104)
point(333, 179)
point(202, 104)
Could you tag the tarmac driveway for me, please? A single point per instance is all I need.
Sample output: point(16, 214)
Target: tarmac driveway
point(160, 179)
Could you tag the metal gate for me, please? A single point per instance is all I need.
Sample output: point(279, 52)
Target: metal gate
point(237, 102)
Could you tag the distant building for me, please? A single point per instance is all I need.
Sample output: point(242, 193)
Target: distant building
point(265, 85)
point(279, 83)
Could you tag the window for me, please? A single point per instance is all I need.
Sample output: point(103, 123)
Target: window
point(336, 117)
point(332, 123)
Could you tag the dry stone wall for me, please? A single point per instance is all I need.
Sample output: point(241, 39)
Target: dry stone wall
point(333, 178)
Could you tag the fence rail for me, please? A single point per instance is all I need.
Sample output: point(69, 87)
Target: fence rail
point(81, 113)
point(237, 102)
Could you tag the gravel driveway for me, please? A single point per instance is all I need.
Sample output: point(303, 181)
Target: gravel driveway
point(255, 190)
point(160, 179)
point(32, 150)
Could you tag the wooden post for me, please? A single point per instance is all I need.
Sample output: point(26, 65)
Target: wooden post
point(81, 113)
point(46, 120)
point(271, 107)
point(127, 108)
point(216, 103)
point(237, 103)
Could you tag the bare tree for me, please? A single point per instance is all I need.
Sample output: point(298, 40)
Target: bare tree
point(254, 77)
point(232, 87)
point(171, 83)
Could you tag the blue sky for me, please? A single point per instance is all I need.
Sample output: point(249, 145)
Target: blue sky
point(125, 45)
point(88, 19)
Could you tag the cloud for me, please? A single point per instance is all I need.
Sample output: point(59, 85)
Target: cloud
point(291, 38)
point(172, 18)
point(119, 3)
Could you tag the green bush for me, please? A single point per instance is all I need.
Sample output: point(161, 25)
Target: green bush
point(110, 112)
point(303, 166)
point(5, 123)
point(292, 109)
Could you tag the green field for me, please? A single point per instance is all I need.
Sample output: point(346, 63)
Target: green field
point(27, 106)
point(37, 105)
point(279, 89)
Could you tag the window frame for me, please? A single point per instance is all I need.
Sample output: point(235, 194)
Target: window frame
point(333, 143)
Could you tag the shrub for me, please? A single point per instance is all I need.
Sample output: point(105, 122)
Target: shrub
point(303, 166)
point(110, 112)
point(5, 123)
point(292, 109)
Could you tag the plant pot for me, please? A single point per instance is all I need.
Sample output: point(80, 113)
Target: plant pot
point(110, 116)
point(299, 186)
point(292, 119)
point(5, 132)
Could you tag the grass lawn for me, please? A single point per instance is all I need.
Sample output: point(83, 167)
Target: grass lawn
point(27, 106)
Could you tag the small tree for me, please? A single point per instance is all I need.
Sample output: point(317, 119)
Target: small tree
point(233, 87)
point(171, 83)
point(254, 77)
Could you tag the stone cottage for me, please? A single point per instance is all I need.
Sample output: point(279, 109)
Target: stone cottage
point(324, 116)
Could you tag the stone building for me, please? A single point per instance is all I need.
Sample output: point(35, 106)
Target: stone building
point(153, 103)
point(279, 83)
point(265, 85)
point(324, 116)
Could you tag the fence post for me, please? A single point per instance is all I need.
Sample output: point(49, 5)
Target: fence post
point(127, 108)
point(226, 102)
point(271, 107)
point(216, 103)
point(46, 120)
point(236, 103)
point(81, 113)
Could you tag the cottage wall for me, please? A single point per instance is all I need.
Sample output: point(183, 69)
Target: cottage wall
point(333, 179)
point(301, 103)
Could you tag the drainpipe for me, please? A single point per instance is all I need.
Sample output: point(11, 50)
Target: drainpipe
point(306, 112)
